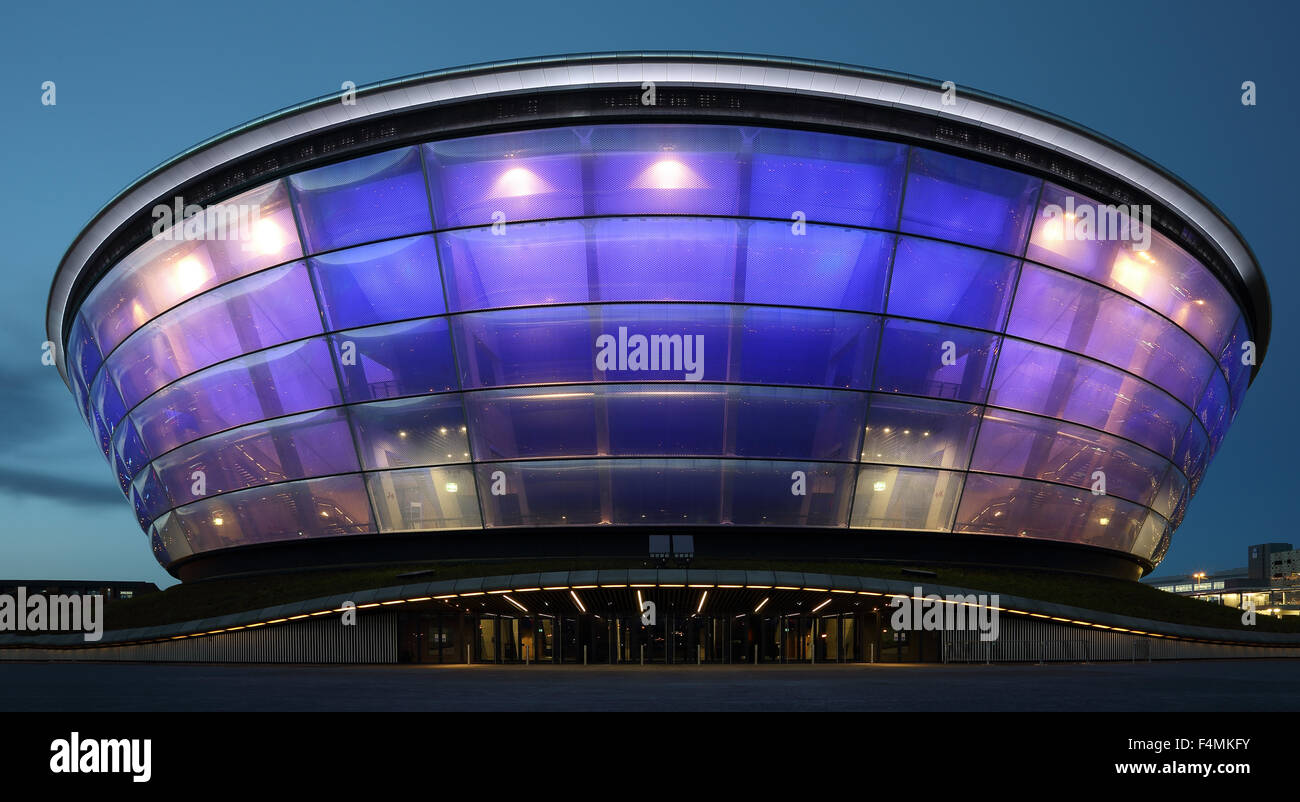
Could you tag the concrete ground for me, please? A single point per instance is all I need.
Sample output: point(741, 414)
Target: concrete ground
point(1227, 685)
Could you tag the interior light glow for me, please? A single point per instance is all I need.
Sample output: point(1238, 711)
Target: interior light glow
point(518, 182)
point(268, 237)
point(668, 174)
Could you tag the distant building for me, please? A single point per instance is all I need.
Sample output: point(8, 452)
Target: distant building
point(1270, 582)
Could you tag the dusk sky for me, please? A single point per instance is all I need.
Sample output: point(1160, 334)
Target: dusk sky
point(137, 83)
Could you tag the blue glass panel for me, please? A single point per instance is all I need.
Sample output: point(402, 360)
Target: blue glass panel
point(551, 422)
point(83, 354)
point(279, 381)
point(362, 200)
point(107, 402)
point(130, 451)
point(919, 431)
point(655, 491)
point(1193, 454)
point(150, 496)
point(399, 359)
point(937, 361)
point(1045, 381)
point(1233, 363)
point(905, 498)
point(951, 284)
point(834, 268)
point(407, 432)
point(666, 169)
point(968, 202)
point(542, 493)
point(1070, 313)
point(525, 175)
point(666, 259)
point(169, 540)
point(378, 283)
point(763, 493)
point(826, 177)
point(795, 423)
point(1172, 494)
point(528, 264)
point(804, 346)
point(613, 343)
point(423, 499)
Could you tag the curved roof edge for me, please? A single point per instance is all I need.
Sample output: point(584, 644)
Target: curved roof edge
point(730, 70)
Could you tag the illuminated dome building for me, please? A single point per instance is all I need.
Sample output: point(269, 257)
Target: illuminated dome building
point(544, 309)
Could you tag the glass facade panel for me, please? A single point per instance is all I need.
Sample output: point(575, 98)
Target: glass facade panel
point(919, 431)
point(905, 498)
point(1103, 244)
point(1044, 381)
point(998, 505)
point(327, 507)
point(362, 200)
point(951, 284)
point(838, 268)
point(427, 430)
point(965, 201)
point(294, 447)
point(419, 499)
point(380, 283)
point(266, 309)
point(1039, 448)
point(279, 381)
point(399, 359)
point(937, 361)
point(1069, 313)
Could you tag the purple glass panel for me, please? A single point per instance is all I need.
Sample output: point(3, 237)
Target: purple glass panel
point(399, 359)
point(666, 259)
point(169, 540)
point(424, 499)
point(996, 505)
point(1045, 381)
point(280, 381)
point(1232, 361)
point(795, 423)
point(552, 422)
point(106, 401)
point(951, 284)
point(266, 309)
point(1038, 448)
point(532, 263)
point(937, 361)
point(760, 493)
point(379, 283)
point(130, 452)
point(1073, 314)
point(526, 175)
point(1173, 492)
point(826, 177)
point(833, 268)
point(905, 498)
point(1193, 454)
point(296, 447)
point(613, 343)
point(83, 354)
point(250, 232)
point(1212, 410)
point(968, 202)
point(666, 169)
point(543, 493)
point(362, 200)
point(919, 431)
point(150, 495)
point(1102, 246)
point(428, 430)
point(804, 346)
point(327, 507)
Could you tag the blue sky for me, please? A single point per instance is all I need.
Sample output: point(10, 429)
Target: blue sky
point(139, 82)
